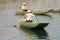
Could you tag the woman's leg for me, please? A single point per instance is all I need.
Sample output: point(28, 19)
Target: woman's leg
point(31, 21)
point(27, 20)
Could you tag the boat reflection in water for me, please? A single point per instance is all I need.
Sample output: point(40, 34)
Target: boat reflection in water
point(36, 34)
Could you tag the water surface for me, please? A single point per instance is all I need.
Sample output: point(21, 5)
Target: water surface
point(8, 18)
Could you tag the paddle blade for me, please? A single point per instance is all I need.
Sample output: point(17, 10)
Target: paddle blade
point(14, 25)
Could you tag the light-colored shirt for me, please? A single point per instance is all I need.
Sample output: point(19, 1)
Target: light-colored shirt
point(29, 16)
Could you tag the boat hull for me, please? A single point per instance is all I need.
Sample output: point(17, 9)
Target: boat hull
point(33, 25)
point(43, 12)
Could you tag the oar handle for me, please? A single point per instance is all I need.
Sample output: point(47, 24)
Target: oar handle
point(17, 23)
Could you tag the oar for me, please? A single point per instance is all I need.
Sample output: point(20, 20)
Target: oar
point(19, 21)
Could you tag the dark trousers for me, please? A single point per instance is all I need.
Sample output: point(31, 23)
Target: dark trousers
point(29, 21)
point(25, 10)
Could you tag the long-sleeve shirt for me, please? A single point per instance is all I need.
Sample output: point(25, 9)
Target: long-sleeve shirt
point(29, 16)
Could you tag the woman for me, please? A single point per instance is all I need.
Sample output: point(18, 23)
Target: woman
point(24, 7)
point(28, 16)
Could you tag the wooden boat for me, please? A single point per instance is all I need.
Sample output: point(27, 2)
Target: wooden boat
point(42, 12)
point(33, 24)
